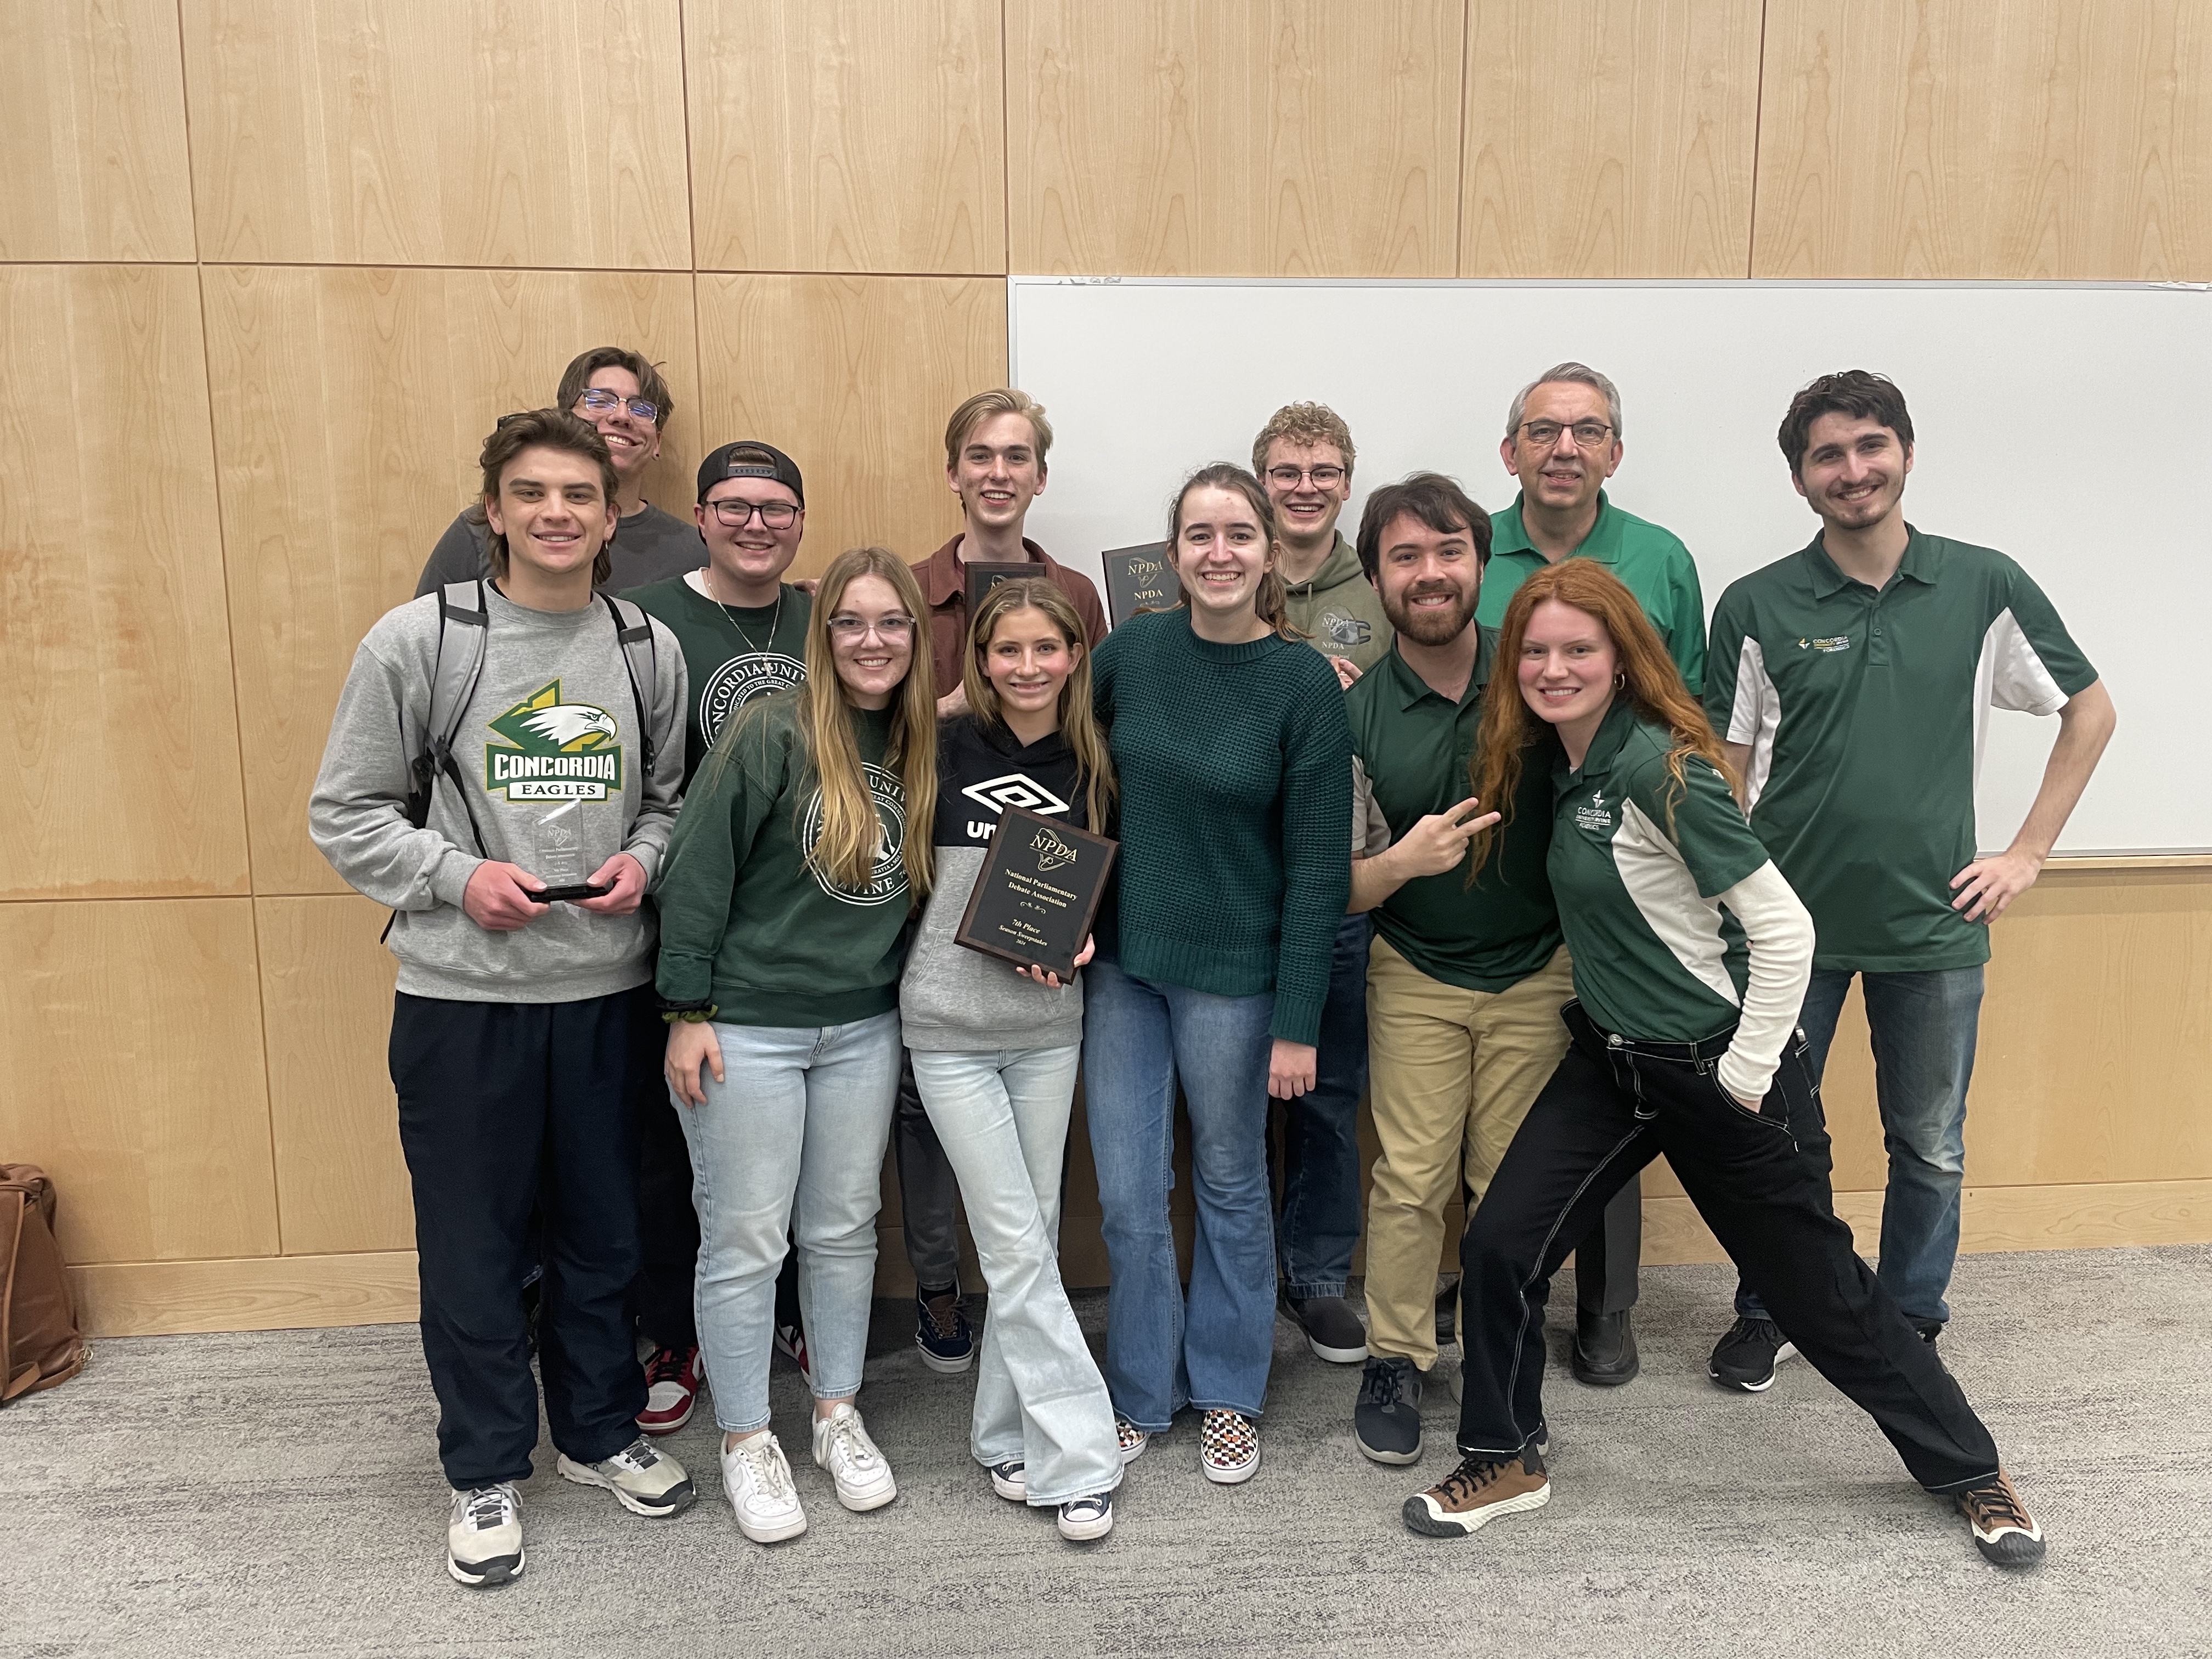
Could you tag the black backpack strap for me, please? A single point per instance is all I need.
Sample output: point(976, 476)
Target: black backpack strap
point(634, 629)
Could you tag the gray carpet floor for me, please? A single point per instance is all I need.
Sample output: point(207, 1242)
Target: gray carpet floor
point(278, 1494)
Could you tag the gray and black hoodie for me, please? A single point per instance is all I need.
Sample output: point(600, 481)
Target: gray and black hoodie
point(553, 723)
point(953, 999)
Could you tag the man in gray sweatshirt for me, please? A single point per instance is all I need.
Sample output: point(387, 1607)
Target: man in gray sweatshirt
point(524, 1035)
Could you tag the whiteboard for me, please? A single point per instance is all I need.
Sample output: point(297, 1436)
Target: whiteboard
point(2068, 424)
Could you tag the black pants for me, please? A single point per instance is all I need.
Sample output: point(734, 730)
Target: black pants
point(929, 1194)
point(668, 1230)
point(505, 1107)
point(1610, 1108)
point(1607, 1258)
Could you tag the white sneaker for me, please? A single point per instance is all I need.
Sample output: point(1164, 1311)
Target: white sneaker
point(1082, 1519)
point(758, 1482)
point(1011, 1480)
point(644, 1479)
point(484, 1539)
point(842, 1447)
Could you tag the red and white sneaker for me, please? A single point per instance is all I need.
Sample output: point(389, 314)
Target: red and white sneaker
point(791, 1342)
point(672, 1377)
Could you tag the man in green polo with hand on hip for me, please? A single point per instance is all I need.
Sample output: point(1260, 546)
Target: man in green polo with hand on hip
point(1850, 683)
point(1563, 441)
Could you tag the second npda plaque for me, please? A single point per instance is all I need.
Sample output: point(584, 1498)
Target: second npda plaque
point(1036, 893)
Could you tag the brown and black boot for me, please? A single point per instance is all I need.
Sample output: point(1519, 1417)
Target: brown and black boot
point(1477, 1492)
point(2004, 1532)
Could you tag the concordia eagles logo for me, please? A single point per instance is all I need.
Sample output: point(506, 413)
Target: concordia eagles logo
point(564, 751)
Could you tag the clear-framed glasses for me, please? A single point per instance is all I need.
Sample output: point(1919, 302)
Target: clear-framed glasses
point(1588, 434)
point(599, 400)
point(1287, 477)
point(853, 629)
point(735, 515)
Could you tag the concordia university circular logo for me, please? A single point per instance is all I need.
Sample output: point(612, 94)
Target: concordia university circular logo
point(887, 878)
point(741, 679)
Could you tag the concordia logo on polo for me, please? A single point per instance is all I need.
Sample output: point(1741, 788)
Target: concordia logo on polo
point(1594, 814)
point(563, 751)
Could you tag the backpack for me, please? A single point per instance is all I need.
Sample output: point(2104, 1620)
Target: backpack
point(39, 1344)
point(465, 626)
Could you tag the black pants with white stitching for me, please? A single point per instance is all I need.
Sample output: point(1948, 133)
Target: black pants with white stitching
point(1761, 1181)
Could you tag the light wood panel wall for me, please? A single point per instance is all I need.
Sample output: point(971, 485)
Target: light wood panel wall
point(270, 267)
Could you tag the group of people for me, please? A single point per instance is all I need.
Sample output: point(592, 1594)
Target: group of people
point(1472, 816)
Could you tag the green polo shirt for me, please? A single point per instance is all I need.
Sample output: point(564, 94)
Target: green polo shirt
point(1637, 862)
point(1651, 562)
point(1864, 712)
point(1410, 750)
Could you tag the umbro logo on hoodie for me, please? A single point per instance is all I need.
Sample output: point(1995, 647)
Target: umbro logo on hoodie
point(1018, 789)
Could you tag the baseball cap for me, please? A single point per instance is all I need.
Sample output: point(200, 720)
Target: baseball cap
point(748, 458)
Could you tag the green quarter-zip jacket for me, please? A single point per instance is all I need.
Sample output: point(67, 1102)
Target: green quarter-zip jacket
point(1864, 712)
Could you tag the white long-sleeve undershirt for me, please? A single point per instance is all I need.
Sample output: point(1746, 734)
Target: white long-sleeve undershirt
point(1778, 930)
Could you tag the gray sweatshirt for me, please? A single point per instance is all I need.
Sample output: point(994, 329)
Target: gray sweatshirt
point(552, 726)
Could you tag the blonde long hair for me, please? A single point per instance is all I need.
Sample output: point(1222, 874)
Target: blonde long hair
point(1078, 724)
point(851, 831)
point(1651, 683)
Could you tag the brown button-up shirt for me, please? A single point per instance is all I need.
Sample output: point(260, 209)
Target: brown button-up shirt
point(944, 591)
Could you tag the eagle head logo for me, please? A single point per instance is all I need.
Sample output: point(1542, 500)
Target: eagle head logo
point(571, 726)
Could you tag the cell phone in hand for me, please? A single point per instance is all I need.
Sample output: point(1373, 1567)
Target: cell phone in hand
point(582, 889)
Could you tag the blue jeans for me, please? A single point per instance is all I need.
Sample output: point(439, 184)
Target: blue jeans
point(1139, 1039)
point(1923, 1027)
point(798, 1124)
point(1002, 1120)
point(1317, 1228)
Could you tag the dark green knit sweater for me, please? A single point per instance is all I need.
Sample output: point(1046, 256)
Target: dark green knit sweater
point(1235, 767)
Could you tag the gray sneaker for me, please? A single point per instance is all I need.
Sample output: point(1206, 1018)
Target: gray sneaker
point(1387, 1420)
point(484, 1539)
point(644, 1479)
point(1332, 1328)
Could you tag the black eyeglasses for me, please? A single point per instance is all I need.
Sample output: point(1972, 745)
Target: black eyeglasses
point(1588, 435)
point(599, 400)
point(735, 515)
point(1324, 477)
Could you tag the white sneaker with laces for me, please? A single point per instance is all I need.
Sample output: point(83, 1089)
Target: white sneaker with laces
point(1082, 1519)
point(484, 1539)
point(842, 1447)
point(758, 1481)
point(644, 1479)
point(1011, 1480)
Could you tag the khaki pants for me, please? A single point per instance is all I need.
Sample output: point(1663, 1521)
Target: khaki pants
point(1452, 1072)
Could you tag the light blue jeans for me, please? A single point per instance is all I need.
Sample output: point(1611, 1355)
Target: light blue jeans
point(1923, 1027)
point(798, 1124)
point(1139, 1039)
point(1002, 1120)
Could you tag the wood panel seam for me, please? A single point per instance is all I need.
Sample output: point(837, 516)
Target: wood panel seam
point(1757, 118)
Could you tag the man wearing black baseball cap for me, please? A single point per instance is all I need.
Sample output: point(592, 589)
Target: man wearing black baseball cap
point(743, 629)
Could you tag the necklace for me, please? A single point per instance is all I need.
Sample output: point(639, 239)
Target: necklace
point(730, 617)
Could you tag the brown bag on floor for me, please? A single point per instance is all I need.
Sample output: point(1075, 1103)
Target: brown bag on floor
point(40, 1345)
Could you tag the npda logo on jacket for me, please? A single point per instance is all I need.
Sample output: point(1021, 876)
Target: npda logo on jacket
point(563, 751)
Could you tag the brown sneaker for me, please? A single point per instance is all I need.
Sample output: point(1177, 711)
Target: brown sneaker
point(2004, 1532)
point(1477, 1492)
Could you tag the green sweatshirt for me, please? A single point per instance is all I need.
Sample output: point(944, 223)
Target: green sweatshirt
point(1340, 611)
point(746, 921)
point(1235, 763)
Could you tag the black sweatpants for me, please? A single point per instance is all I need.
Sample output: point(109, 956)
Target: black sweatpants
point(668, 1228)
point(1612, 1107)
point(505, 1106)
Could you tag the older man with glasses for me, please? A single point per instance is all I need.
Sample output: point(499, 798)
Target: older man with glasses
point(1563, 441)
point(623, 395)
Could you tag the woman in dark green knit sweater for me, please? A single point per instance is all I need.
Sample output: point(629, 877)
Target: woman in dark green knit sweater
point(1235, 758)
point(801, 850)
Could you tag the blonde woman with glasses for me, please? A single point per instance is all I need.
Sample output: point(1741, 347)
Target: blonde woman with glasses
point(800, 853)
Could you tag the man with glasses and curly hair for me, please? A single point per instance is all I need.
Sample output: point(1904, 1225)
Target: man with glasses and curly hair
point(1563, 441)
point(620, 394)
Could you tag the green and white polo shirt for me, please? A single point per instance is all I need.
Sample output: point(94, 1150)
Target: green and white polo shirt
point(1865, 712)
point(1637, 862)
point(1409, 759)
point(1650, 561)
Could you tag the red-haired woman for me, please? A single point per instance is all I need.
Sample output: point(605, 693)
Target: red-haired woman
point(1691, 958)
